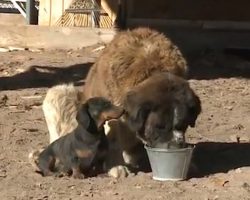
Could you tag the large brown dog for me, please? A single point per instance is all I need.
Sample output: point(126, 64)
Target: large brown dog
point(140, 70)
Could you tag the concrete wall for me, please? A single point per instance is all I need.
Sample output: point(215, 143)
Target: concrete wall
point(190, 40)
point(52, 37)
point(12, 19)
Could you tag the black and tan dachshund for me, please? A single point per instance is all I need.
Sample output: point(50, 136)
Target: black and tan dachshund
point(79, 150)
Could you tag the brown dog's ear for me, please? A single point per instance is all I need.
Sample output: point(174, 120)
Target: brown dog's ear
point(83, 117)
point(194, 107)
point(130, 99)
point(136, 111)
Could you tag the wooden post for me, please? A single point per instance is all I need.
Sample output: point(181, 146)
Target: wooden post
point(31, 12)
point(120, 21)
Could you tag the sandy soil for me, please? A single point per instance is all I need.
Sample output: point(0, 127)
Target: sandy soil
point(222, 133)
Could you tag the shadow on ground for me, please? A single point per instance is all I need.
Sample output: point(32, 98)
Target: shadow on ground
point(228, 63)
point(215, 157)
point(42, 76)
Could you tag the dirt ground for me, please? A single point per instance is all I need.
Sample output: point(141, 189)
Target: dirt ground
point(222, 134)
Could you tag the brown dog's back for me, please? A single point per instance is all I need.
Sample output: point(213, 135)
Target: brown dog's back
point(129, 59)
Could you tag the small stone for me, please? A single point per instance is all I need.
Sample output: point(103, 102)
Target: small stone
point(118, 172)
point(17, 49)
point(3, 173)
point(35, 50)
point(239, 127)
point(239, 139)
point(113, 182)
point(229, 107)
point(71, 186)
point(235, 138)
point(137, 186)
point(4, 50)
point(216, 197)
point(246, 186)
point(3, 100)
point(238, 170)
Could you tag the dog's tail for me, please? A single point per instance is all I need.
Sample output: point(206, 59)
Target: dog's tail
point(33, 158)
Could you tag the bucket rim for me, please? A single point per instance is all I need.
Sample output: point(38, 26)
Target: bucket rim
point(168, 179)
point(190, 147)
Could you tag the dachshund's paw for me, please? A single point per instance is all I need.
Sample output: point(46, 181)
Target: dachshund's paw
point(47, 173)
point(60, 174)
point(78, 176)
point(119, 171)
point(33, 158)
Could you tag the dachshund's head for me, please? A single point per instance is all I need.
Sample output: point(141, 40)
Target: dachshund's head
point(95, 111)
point(161, 108)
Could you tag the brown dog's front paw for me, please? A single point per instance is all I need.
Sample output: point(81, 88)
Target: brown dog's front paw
point(119, 171)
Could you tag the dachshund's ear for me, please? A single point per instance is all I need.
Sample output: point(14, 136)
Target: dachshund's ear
point(135, 111)
point(83, 117)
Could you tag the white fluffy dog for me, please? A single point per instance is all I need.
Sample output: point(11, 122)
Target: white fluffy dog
point(60, 107)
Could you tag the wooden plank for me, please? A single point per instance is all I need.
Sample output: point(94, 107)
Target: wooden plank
point(44, 13)
point(209, 25)
point(110, 6)
point(226, 25)
point(50, 11)
point(56, 11)
point(164, 22)
point(83, 10)
point(129, 6)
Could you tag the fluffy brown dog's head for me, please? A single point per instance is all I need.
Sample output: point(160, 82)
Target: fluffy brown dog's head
point(161, 108)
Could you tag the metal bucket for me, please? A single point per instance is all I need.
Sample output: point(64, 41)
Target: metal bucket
point(169, 164)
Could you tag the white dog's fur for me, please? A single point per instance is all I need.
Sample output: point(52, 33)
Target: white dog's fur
point(60, 107)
